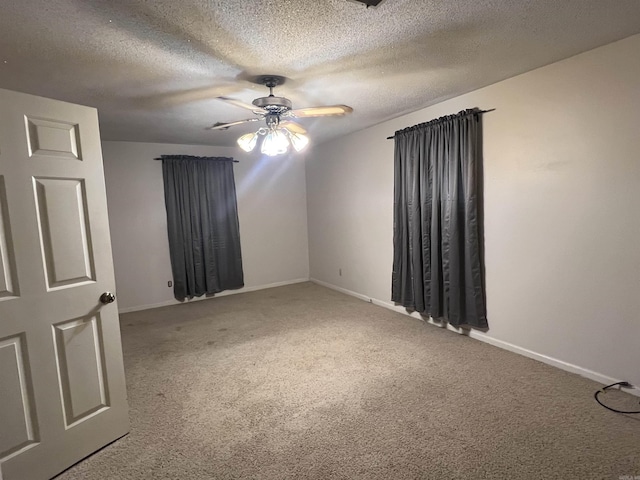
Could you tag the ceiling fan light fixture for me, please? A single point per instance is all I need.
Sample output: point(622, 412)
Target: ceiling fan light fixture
point(277, 112)
point(275, 143)
point(248, 141)
point(298, 140)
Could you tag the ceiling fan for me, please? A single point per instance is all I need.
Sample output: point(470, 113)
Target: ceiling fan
point(278, 113)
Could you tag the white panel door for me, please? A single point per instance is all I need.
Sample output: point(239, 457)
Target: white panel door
point(62, 387)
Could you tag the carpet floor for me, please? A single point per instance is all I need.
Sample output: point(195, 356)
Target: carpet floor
point(304, 382)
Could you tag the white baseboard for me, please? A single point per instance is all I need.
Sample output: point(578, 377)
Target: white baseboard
point(173, 301)
point(483, 337)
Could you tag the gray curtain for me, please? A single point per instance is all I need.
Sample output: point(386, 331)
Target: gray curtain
point(437, 236)
point(202, 221)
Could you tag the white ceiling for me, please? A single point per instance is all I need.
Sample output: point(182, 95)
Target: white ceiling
point(153, 68)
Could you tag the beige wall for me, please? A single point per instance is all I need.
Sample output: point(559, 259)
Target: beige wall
point(271, 209)
point(562, 203)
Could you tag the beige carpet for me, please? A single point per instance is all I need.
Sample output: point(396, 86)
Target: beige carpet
point(304, 382)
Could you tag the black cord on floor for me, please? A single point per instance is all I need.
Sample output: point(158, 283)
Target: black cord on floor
point(604, 389)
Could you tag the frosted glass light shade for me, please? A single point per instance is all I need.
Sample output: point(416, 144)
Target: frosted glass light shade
point(298, 140)
point(275, 143)
point(248, 142)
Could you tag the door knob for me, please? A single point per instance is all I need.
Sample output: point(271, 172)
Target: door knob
point(107, 297)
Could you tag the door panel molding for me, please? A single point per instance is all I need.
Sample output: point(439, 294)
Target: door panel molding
point(8, 279)
point(79, 351)
point(65, 237)
point(18, 415)
point(46, 137)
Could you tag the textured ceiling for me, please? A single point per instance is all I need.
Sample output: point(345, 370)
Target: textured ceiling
point(153, 68)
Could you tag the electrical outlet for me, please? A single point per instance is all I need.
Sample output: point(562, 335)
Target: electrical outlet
point(169, 284)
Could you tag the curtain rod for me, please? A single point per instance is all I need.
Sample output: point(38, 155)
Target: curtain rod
point(234, 161)
point(470, 113)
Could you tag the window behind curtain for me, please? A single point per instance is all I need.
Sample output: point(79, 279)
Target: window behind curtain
point(438, 265)
point(202, 222)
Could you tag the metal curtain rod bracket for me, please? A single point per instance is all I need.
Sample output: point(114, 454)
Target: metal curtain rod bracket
point(470, 113)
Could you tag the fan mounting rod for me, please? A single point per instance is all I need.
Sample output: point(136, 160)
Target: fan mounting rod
point(270, 81)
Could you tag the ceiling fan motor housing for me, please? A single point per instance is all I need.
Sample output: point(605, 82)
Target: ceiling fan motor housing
point(274, 105)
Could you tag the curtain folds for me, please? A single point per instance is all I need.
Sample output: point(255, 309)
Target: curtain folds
point(202, 221)
point(437, 237)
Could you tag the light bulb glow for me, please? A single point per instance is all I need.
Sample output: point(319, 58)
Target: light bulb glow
point(275, 143)
point(248, 142)
point(298, 140)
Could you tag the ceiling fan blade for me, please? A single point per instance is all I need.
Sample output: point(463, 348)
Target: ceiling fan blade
point(321, 111)
point(293, 127)
point(224, 126)
point(241, 104)
point(185, 97)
